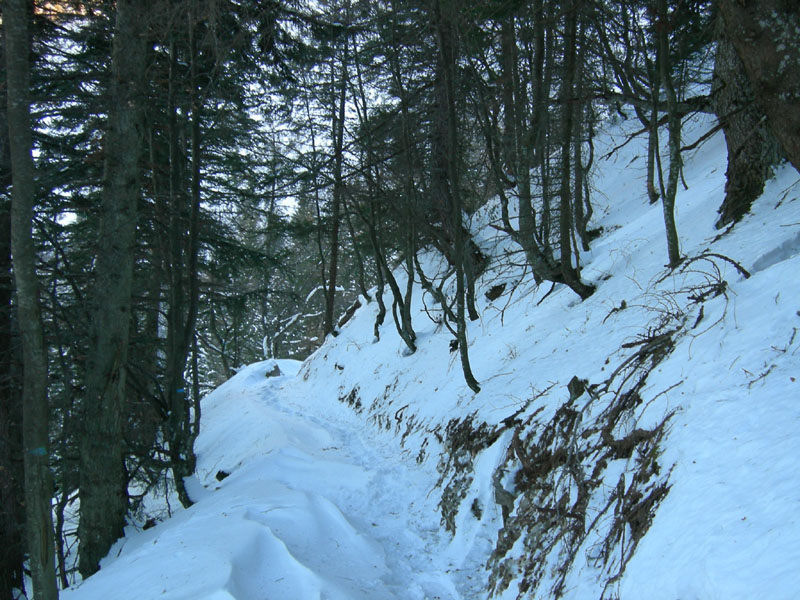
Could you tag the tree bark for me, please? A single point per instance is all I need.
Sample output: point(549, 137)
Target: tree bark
point(752, 149)
point(765, 35)
point(12, 514)
point(103, 480)
point(38, 479)
point(12, 491)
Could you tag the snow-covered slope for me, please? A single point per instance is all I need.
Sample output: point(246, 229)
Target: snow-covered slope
point(639, 444)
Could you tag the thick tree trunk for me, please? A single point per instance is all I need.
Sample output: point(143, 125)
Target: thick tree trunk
point(765, 35)
point(38, 479)
point(12, 513)
point(752, 149)
point(103, 480)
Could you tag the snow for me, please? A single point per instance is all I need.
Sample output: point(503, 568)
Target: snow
point(337, 467)
point(301, 514)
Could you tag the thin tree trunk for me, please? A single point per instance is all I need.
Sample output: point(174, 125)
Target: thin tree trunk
point(183, 311)
point(404, 323)
point(361, 275)
point(323, 276)
point(338, 187)
point(652, 148)
point(527, 140)
point(546, 47)
point(195, 431)
point(177, 401)
point(61, 554)
point(565, 221)
point(508, 58)
point(373, 190)
point(447, 62)
point(189, 336)
point(567, 119)
point(66, 483)
point(669, 191)
point(103, 480)
point(38, 479)
point(580, 197)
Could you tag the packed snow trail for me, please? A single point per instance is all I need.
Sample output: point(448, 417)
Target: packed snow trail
point(308, 511)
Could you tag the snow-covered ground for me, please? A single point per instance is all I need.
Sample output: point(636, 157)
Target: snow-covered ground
point(371, 473)
point(304, 513)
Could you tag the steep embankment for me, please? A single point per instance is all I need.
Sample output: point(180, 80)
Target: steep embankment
point(635, 445)
point(639, 444)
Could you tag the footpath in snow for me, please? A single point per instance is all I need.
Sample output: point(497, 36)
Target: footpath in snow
point(307, 511)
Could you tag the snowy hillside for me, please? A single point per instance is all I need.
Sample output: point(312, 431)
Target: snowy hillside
point(638, 445)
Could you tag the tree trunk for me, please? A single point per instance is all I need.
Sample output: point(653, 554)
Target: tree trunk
point(38, 479)
point(337, 127)
point(370, 221)
point(765, 35)
point(403, 322)
point(175, 388)
point(192, 423)
point(581, 205)
point(182, 314)
point(361, 278)
point(565, 219)
point(529, 141)
point(445, 24)
point(670, 190)
point(103, 480)
point(12, 513)
point(508, 59)
point(751, 148)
